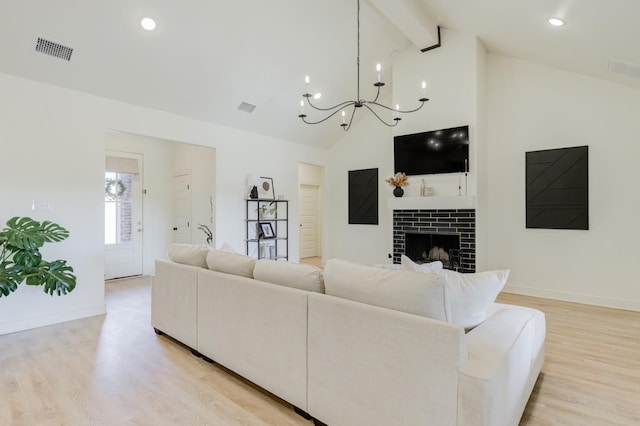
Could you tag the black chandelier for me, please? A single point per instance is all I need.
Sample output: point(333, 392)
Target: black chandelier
point(358, 103)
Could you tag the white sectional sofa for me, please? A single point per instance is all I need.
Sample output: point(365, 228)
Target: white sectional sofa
point(381, 347)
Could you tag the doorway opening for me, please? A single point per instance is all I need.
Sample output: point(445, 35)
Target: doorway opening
point(123, 215)
point(310, 209)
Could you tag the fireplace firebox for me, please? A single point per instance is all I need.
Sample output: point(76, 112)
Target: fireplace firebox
point(457, 225)
point(429, 247)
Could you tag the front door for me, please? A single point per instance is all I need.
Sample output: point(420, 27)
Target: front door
point(123, 220)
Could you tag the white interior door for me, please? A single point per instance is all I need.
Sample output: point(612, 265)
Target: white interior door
point(182, 208)
point(123, 230)
point(308, 236)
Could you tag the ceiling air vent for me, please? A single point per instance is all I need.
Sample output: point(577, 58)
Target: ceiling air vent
point(52, 48)
point(627, 68)
point(246, 107)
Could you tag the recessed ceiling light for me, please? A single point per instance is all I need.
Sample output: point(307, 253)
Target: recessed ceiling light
point(148, 24)
point(556, 22)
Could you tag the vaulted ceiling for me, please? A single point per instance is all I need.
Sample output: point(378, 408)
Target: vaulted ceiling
point(207, 56)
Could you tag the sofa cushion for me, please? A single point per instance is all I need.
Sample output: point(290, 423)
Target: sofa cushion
point(189, 254)
point(470, 295)
point(410, 265)
point(420, 293)
point(296, 275)
point(231, 263)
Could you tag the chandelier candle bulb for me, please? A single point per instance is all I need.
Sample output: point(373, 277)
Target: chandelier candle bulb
point(343, 117)
point(306, 81)
point(378, 68)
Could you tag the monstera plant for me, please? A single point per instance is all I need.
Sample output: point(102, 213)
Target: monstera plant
point(21, 261)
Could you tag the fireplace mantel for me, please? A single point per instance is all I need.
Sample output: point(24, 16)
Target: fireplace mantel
point(433, 203)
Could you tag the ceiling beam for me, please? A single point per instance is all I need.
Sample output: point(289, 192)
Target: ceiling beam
point(411, 19)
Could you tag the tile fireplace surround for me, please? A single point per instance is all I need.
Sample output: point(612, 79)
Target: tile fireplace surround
point(454, 221)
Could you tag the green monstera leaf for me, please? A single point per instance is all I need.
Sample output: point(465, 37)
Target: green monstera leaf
point(56, 276)
point(20, 258)
point(24, 233)
point(9, 278)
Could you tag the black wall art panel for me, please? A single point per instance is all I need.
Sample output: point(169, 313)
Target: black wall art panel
point(363, 197)
point(558, 188)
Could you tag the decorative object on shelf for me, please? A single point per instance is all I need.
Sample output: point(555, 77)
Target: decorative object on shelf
point(266, 230)
point(20, 258)
point(265, 189)
point(254, 192)
point(426, 191)
point(466, 176)
point(398, 181)
point(267, 210)
point(207, 232)
point(358, 102)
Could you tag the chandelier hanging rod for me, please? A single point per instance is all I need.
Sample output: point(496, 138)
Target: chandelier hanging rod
point(358, 103)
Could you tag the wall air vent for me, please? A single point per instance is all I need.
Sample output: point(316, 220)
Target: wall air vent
point(246, 107)
point(51, 48)
point(627, 68)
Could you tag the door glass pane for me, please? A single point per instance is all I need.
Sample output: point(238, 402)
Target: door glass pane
point(117, 208)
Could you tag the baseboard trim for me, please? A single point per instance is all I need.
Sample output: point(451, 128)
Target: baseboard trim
point(50, 319)
point(607, 302)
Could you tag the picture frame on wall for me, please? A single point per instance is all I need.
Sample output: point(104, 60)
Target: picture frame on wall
point(265, 189)
point(266, 230)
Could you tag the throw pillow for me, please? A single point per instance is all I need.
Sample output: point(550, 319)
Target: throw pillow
point(470, 295)
point(420, 293)
point(231, 263)
point(410, 265)
point(296, 275)
point(188, 254)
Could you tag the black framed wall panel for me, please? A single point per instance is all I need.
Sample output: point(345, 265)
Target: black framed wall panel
point(557, 192)
point(363, 197)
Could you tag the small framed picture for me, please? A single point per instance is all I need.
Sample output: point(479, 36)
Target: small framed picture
point(267, 230)
point(265, 189)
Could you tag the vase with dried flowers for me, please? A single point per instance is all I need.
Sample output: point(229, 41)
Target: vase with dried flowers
point(398, 181)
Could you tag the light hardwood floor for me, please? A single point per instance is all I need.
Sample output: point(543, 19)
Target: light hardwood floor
point(114, 370)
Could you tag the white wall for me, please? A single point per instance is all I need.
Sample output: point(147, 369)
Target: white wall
point(532, 107)
point(52, 147)
point(453, 89)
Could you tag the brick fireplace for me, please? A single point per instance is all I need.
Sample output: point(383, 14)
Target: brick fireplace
point(452, 225)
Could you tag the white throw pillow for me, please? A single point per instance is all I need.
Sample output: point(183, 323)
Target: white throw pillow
point(296, 275)
point(469, 295)
point(188, 254)
point(231, 263)
point(410, 265)
point(420, 293)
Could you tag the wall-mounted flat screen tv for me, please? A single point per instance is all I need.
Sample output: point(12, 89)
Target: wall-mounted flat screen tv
point(437, 151)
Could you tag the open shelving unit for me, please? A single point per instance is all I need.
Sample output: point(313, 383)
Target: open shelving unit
point(271, 216)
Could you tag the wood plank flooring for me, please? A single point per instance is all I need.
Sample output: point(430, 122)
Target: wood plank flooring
point(113, 370)
point(591, 374)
